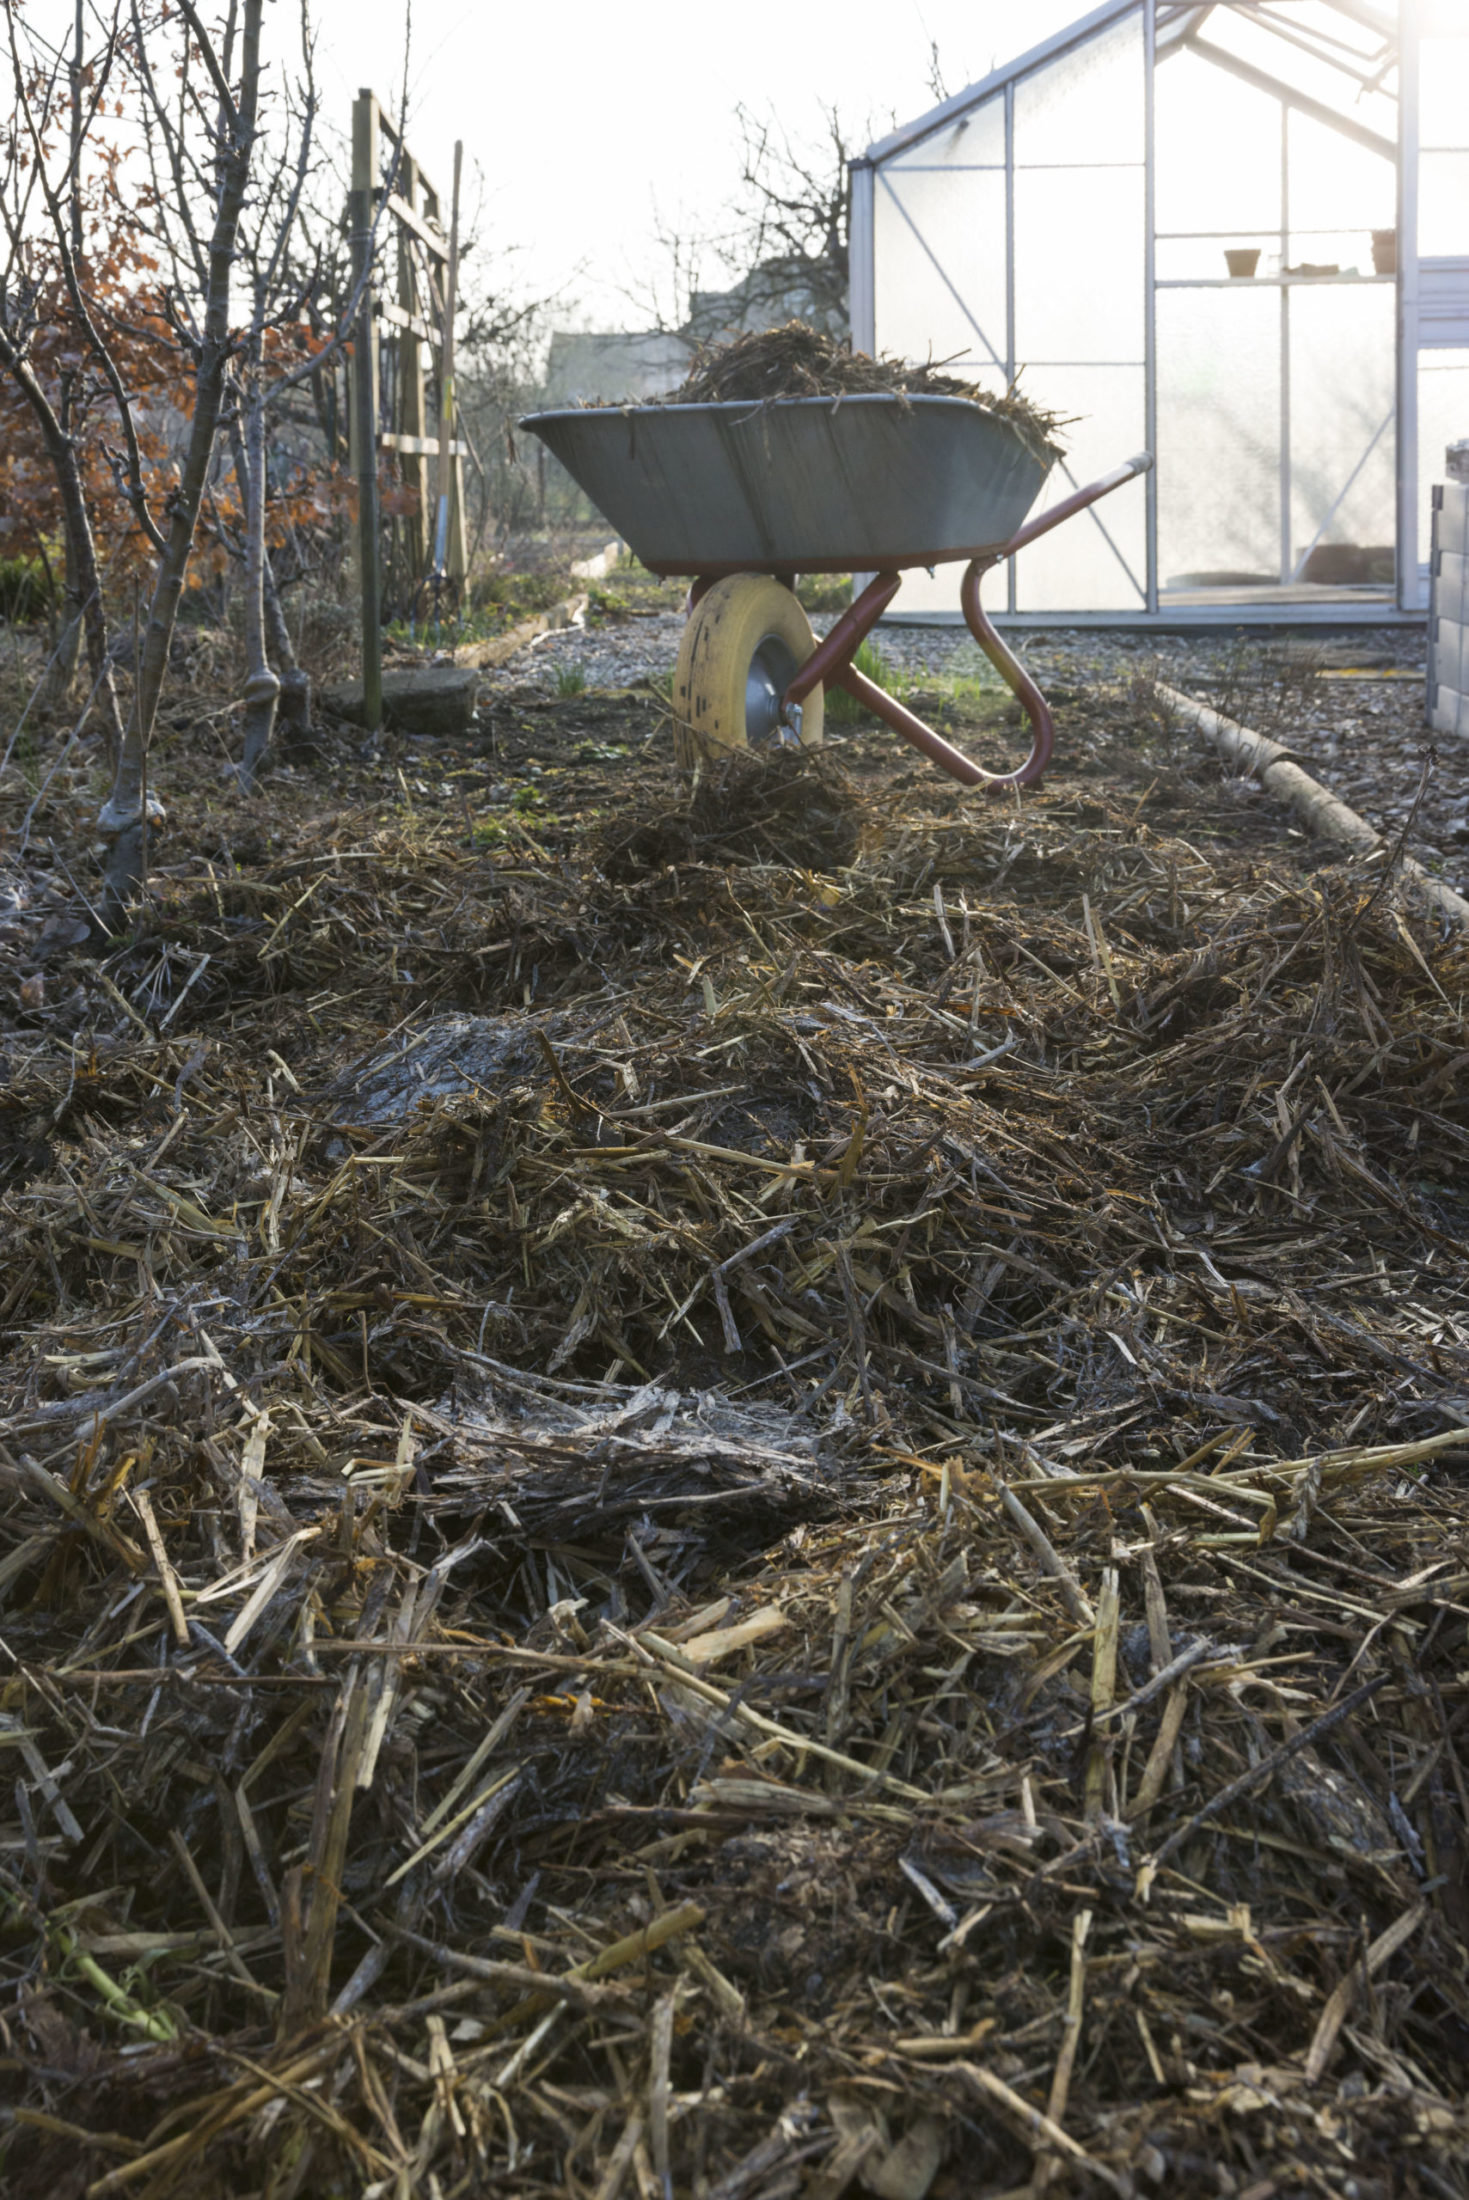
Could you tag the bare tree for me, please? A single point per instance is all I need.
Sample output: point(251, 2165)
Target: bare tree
point(937, 81)
point(276, 683)
point(499, 377)
point(783, 252)
point(267, 366)
point(304, 304)
point(660, 297)
point(794, 223)
point(48, 335)
point(217, 101)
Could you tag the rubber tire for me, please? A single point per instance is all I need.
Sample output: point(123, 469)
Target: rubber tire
point(729, 624)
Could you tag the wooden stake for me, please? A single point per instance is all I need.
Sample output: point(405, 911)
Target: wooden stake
point(447, 459)
point(365, 126)
point(1315, 805)
point(1104, 1683)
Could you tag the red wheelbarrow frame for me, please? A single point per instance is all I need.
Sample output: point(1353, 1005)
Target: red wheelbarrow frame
point(830, 664)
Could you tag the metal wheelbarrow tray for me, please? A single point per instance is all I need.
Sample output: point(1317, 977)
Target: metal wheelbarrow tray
point(825, 485)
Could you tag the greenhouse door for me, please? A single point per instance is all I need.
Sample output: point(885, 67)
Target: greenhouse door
point(1275, 257)
point(1434, 370)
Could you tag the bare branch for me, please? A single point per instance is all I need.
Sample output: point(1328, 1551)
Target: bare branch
point(137, 495)
point(211, 64)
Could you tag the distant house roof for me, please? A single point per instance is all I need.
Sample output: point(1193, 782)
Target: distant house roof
point(793, 287)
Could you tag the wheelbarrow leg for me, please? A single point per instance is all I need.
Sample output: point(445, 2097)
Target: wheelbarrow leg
point(912, 730)
point(831, 665)
point(830, 658)
point(1015, 677)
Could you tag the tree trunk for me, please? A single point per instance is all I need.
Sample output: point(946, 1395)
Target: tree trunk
point(94, 621)
point(85, 611)
point(122, 817)
point(63, 669)
point(61, 673)
point(295, 702)
point(274, 655)
point(261, 685)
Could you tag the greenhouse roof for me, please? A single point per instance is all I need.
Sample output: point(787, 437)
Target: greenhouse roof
point(1334, 60)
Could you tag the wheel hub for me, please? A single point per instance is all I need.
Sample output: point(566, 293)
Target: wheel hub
point(772, 668)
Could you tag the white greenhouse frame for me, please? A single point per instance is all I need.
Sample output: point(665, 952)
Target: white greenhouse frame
point(1328, 82)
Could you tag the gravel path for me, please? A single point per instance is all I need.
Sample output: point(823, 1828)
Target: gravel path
point(609, 656)
point(1364, 737)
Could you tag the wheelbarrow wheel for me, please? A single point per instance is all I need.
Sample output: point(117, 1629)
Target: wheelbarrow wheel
point(746, 639)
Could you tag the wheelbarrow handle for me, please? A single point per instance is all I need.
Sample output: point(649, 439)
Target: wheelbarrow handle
point(1070, 506)
point(830, 664)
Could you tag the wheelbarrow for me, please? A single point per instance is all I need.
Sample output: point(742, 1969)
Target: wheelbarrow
point(743, 497)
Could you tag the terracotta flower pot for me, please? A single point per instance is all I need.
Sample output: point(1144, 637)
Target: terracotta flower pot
point(1243, 260)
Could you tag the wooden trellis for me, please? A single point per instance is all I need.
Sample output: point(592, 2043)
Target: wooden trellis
point(404, 344)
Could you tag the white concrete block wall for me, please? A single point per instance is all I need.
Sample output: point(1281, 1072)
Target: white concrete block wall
point(1448, 610)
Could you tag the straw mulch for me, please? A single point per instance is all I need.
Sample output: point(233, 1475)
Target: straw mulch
point(796, 361)
point(754, 1495)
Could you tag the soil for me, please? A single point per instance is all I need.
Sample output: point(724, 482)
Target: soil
point(1351, 709)
point(746, 1485)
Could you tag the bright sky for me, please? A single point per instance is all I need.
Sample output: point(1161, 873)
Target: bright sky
point(588, 120)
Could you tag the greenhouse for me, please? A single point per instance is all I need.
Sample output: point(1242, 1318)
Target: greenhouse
point(1236, 235)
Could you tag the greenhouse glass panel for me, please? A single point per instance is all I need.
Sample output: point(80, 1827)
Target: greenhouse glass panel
point(1080, 304)
point(1219, 447)
point(1443, 111)
point(937, 593)
point(1217, 155)
point(1339, 193)
point(1324, 20)
point(1443, 204)
point(1343, 448)
point(940, 264)
point(1099, 560)
point(1087, 105)
point(975, 140)
point(1249, 39)
point(1079, 265)
point(1203, 259)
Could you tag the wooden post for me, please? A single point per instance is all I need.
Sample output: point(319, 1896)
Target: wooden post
point(412, 409)
point(436, 543)
point(365, 129)
point(458, 550)
point(449, 464)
